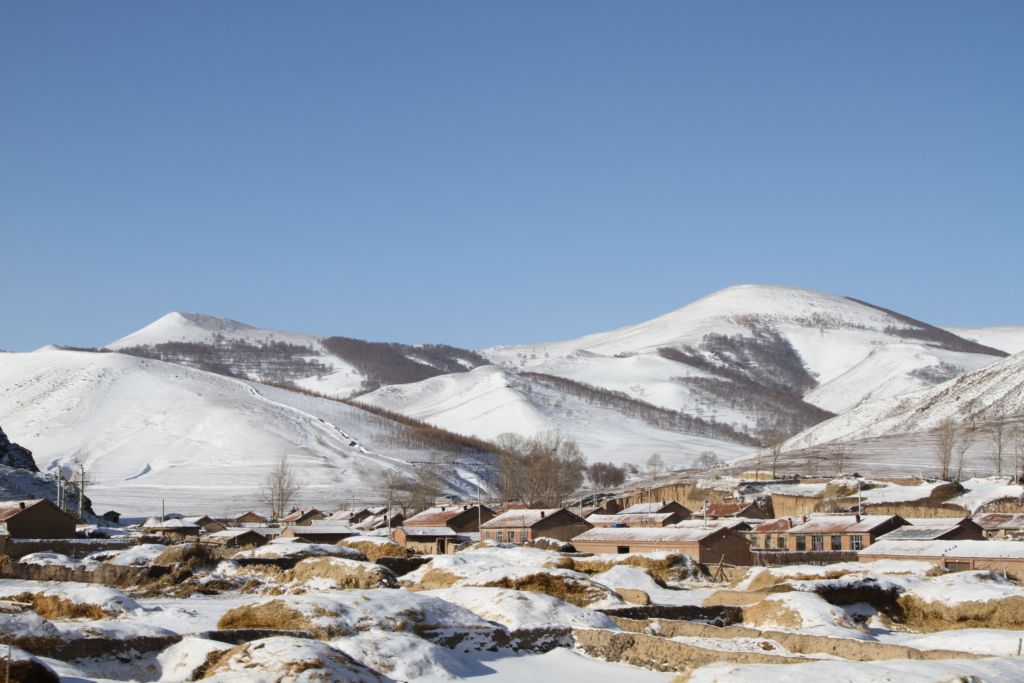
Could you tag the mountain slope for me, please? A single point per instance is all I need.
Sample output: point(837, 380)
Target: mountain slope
point(993, 393)
point(1009, 339)
point(489, 401)
point(334, 366)
point(148, 431)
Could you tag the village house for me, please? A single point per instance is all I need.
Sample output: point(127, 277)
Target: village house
point(37, 518)
point(350, 517)
point(521, 526)
point(836, 533)
point(740, 509)
point(773, 534)
point(319, 533)
point(633, 520)
point(380, 521)
point(1002, 557)
point(706, 545)
point(936, 529)
point(738, 525)
point(236, 537)
point(250, 517)
point(302, 517)
point(171, 528)
point(657, 507)
point(207, 524)
point(1001, 525)
point(440, 529)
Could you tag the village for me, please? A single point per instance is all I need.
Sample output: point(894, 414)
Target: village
point(708, 560)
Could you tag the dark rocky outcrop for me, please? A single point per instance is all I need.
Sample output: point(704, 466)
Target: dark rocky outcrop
point(13, 455)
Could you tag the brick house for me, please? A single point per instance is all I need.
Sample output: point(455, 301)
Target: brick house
point(319, 533)
point(440, 529)
point(250, 517)
point(734, 509)
point(1001, 525)
point(840, 532)
point(937, 529)
point(773, 534)
point(521, 526)
point(303, 517)
point(707, 545)
point(37, 518)
point(997, 556)
point(236, 537)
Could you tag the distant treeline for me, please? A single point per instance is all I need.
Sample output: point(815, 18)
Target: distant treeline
point(383, 363)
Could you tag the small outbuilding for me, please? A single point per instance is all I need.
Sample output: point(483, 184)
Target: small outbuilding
point(302, 517)
point(319, 533)
point(1003, 557)
point(250, 517)
point(938, 529)
point(1001, 525)
point(236, 537)
point(36, 518)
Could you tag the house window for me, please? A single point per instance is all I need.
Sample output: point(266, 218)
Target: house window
point(955, 566)
point(817, 543)
point(524, 536)
point(837, 543)
point(801, 543)
point(767, 542)
point(782, 542)
point(622, 549)
point(753, 540)
point(856, 542)
point(498, 536)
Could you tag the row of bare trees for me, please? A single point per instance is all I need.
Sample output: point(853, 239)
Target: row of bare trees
point(954, 439)
point(539, 471)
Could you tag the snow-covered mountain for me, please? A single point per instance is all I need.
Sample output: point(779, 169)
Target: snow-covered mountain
point(333, 366)
point(489, 401)
point(991, 394)
point(735, 368)
point(147, 431)
point(1009, 339)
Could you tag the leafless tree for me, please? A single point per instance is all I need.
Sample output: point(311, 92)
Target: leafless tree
point(708, 460)
point(838, 455)
point(605, 475)
point(281, 489)
point(775, 451)
point(1018, 451)
point(963, 443)
point(541, 471)
point(945, 442)
point(655, 464)
point(1000, 434)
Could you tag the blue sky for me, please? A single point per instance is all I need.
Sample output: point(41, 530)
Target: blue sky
point(481, 173)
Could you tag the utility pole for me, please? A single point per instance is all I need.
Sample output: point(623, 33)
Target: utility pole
point(60, 492)
point(163, 512)
point(81, 490)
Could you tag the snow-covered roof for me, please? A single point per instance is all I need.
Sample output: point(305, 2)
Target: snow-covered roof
point(653, 534)
point(645, 508)
point(10, 508)
point(429, 531)
point(725, 523)
point(1009, 550)
point(234, 532)
point(314, 529)
point(775, 525)
point(993, 521)
point(157, 523)
point(437, 516)
point(520, 518)
point(824, 524)
point(300, 514)
point(948, 522)
point(918, 533)
point(641, 519)
point(733, 509)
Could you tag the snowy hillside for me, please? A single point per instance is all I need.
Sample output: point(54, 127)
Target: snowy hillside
point(489, 401)
point(147, 430)
point(736, 355)
point(993, 393)
point(1009, 339)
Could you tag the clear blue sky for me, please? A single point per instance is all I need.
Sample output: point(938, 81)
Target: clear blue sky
point(481, 172)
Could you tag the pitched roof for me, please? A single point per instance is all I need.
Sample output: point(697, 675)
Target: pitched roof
point(11, 508)
point(1007, 550)
point(326, 529)
point(427, 531)
point(299, 514)
point(666, 534)
point(234, 532)
point(522, 518)
point(639, 519)
point(824, 524)
point(919, 533)
point(700, 523)
point(439, 515)
point(772, 526)
point(993, 521)
point(647, 508)
point(728, 509)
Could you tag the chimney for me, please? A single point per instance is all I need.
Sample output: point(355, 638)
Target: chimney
point(21, 504)
point(442, 508)
point(856, 518)
point(805, 519)
point(542, 514)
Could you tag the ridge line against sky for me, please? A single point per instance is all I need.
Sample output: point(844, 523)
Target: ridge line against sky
point(502, 173)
